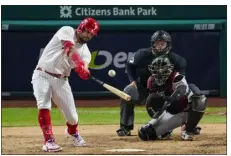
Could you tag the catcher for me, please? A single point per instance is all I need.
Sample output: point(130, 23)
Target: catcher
point(138, 74)
point(171, 103)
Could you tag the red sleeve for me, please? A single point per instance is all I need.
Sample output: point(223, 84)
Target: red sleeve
point(67, 45)
point(149, 84)
point(75, 57)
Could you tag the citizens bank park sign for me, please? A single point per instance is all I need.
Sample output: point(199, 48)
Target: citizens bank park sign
point(72, 11)
point(111, 12)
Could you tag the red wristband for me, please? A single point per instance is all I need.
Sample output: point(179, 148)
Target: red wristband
point(67, 45)
point(75, 57)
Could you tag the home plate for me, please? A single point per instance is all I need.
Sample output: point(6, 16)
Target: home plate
point(125, 150)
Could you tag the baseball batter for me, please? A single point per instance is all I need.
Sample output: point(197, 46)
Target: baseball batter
point(171, 103)
point(66, 50)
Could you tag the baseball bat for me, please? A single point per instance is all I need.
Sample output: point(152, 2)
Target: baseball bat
point(112, 89)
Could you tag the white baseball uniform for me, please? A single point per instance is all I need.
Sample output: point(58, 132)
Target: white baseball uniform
point(54, 60)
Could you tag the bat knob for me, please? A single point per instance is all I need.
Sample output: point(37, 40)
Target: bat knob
point(129, 98)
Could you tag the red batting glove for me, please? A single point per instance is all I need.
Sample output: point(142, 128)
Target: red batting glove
point(79, 67)
point(83, 73)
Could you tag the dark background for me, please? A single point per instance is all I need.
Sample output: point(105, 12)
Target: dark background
point(20, 53)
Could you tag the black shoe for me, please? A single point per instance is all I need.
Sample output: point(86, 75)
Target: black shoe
point(197, 131)
point(123, 132)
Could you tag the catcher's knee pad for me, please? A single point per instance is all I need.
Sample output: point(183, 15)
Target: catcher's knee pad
point(199, 103)
point(147, 132)
point(132, 91)
point(154, 103)
point(72, 119)
point(198, 106)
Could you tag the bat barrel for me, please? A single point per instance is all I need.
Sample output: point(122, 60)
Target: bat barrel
point(112, 89)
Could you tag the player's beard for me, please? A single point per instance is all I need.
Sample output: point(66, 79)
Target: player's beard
point(83, 39)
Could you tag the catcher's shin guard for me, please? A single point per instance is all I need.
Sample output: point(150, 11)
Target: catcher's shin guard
point(147, 132)
point(199, 103)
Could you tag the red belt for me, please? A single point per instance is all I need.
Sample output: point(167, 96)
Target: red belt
point(53, 74)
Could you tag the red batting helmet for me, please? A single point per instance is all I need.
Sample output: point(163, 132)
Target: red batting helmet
point(90, 24)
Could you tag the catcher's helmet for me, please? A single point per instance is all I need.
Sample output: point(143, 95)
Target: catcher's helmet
point(90, 24)
point(161, 35)
point(161, 68)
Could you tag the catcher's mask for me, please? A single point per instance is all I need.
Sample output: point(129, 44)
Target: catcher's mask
point(161, 69)
point(161, 42)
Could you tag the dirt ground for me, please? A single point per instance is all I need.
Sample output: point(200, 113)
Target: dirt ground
point(28, 140)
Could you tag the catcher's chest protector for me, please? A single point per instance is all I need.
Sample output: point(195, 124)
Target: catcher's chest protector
point(166, 88)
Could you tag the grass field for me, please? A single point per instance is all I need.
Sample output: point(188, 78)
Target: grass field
point(12, 117)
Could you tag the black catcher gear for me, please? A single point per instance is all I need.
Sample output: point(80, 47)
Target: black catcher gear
point(199, 103)
point(154, 103)
point(147, 132)
point(161, 69)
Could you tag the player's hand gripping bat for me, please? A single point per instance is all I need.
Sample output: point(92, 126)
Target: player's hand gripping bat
point(112, 89)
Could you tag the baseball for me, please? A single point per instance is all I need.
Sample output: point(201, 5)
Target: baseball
point(111, 73)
